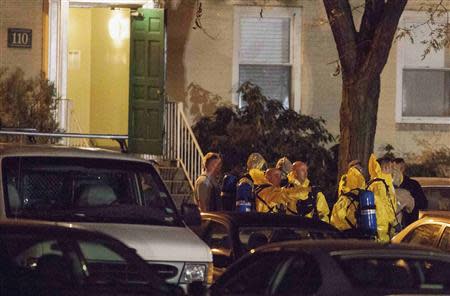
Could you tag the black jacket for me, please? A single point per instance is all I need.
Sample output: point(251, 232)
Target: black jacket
point(421, 202)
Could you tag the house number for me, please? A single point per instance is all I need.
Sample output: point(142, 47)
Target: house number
point(19, 38)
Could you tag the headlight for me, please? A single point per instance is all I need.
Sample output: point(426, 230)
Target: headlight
point(193, 273)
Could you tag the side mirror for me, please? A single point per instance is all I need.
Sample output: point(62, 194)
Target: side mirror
point(221, 260)
point(191, 214)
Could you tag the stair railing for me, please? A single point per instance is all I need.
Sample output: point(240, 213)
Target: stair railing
point(180, 142)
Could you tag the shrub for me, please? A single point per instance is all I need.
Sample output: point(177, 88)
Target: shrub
point(265, 126)
point(27, 103)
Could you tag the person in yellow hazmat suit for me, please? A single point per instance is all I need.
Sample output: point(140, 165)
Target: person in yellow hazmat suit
point(245, 198)
point(343, 215)
point(304, 198)
point(270, 198)
point(382, 186)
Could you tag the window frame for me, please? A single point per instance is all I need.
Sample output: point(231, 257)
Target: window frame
point(295, 16)
point(436, 239)
point(413, 17)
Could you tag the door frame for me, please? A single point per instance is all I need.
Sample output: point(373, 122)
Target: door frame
point(58, 41)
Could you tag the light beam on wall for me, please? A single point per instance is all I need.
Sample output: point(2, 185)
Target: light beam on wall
point(119, 27)
point(149, 5)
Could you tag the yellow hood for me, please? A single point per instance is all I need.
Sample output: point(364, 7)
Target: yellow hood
point(352, 180)
point(255, 161)
point(374, 167)
point(258, 177)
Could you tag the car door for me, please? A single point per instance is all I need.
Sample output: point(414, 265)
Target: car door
point(217, 236)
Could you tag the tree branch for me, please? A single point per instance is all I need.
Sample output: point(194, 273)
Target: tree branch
point(340, 17)
point(383, 37)
point(373, 11)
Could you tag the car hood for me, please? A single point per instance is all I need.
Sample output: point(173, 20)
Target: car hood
point(157, 243)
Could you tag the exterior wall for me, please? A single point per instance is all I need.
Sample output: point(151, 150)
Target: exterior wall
point(79, 72)
point(21, 14)
point(200, 70)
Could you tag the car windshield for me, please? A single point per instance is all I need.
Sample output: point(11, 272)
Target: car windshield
point(397, 272)
point(86, 190)
point(253, 237)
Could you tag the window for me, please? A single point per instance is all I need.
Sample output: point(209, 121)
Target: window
point(405, 274)
point(445, 240)
point(423, 235)
point(267, 52)
point(423, 87)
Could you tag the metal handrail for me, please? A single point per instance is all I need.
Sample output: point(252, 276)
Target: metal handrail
point(180, 142)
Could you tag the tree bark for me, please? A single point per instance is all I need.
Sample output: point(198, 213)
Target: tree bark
point(358, 123)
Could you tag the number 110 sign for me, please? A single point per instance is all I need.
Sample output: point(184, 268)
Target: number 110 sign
point(19, 38)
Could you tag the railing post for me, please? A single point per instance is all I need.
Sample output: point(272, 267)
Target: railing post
point(179, 107)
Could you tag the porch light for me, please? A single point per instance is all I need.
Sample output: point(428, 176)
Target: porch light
point(118, 27)
point(149, 4)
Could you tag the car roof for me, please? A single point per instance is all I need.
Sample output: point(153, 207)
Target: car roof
point(344, 245)
point(14, 149)
point(432, 181)
point(435, 216)
point(263, 219)
point(56, 229)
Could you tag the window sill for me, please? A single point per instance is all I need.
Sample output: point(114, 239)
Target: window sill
point(423, 126)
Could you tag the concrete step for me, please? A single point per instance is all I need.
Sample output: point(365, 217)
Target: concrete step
point(172, 173)
point(178, 186)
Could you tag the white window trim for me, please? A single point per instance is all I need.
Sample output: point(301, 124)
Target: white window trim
point(294, 13)
point(414, 17)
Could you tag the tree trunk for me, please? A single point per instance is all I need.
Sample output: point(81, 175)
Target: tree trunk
point(358, 123)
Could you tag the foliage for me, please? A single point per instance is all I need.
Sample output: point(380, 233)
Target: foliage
point(27, 102)
point(265, 126)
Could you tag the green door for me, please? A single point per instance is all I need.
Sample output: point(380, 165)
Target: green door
point(147, 66)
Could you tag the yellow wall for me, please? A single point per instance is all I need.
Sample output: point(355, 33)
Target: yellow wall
point(79, 74)
point(110, 75)
point(99, 88)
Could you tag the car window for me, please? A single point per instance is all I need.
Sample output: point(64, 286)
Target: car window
point(445, 240)
point(438, 198)
point(253, 276)
point(423, 235)
point(300, 275)
point(86, 190)
point(105, 266)
point(253, 237)
point(217, 236)
point(397, 273)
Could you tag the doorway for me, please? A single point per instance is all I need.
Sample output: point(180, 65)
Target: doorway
point(98, 70)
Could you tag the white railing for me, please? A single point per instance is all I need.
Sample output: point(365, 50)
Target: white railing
point(180, 142)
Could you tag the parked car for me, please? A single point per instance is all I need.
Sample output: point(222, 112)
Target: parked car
point(437, 191)
point(42, 258)
point(337, 267)
point(230, 234)
point(111, 192)
point(432, 230)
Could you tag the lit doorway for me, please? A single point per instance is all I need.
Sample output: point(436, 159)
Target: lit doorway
point(98, 70)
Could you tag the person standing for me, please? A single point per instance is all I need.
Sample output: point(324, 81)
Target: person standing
point(416, 191)
point(381, 184)
point(270, 198)
point(245, 197)
point(229, 184)
point(285, 165)
point(206, 190)
point(305, 199)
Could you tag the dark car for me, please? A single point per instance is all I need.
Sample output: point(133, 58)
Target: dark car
point(230, 234)
point(39, 258)
point(337, 267)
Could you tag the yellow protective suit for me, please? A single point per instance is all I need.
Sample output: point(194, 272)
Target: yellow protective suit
point(385, 201)
point(274, 197)
point(344, 209)
point(299, 191)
